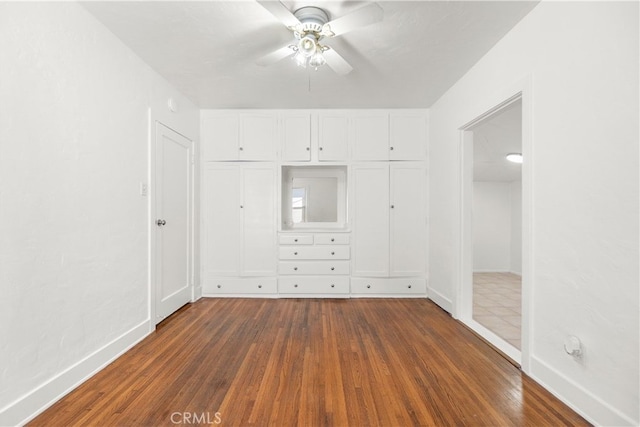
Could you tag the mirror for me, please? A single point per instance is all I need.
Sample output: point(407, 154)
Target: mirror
point(313, 196)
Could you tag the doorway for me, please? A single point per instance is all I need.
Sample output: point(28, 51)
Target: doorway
point(172, 221)
point(492, 234)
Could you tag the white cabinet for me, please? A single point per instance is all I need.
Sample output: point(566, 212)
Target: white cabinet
point(314, 263)
point(238, 136)
point(389, 219)
point(333, 136)
point(238, 221)
point(390, 136)
point(295, 136)
point(371, 136)
point(408, 136)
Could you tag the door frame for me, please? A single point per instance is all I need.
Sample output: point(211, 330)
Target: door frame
point(152, 290)
point(463, 293)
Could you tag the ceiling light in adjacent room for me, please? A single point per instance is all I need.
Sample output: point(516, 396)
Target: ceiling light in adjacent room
point(514, 157)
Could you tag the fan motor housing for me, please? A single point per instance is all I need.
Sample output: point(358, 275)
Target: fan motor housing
point(312, 19)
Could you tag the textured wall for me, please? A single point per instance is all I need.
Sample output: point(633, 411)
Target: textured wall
point(73, 149)
point(583, 61)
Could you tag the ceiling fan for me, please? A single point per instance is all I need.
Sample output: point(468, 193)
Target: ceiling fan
point(310, 26)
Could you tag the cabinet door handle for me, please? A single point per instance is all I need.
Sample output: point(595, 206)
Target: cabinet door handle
point(295, 240)
point(333, 253)
point(295, 268)
point(391, 148)
point(308, 148)
point(295, 286)
point(392, 206)
point(333, 286)
point(241, 207)
point(320, 148)
point(259, 286)
point(295, 253)
point(241, 149)
point(333, 268)
point(333, 240)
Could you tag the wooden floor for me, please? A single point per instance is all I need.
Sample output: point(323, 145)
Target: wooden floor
point(304, 362)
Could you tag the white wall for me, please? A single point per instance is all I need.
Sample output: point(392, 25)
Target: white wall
point(497, 226)
point(73, 149)
point(491, 226)
point(515, 255)
point(582, 59)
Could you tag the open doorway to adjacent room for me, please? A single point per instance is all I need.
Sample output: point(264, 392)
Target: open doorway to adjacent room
point(492, 150)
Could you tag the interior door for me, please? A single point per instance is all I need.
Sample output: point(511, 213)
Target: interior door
point(173, 221)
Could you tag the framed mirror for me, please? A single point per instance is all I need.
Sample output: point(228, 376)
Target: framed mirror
point(314, 197)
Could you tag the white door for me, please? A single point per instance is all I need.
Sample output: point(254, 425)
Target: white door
point(258, 220)
point(333, 137)
point(296, 137)
point(408, 219)
point(371, 136)
point(173, 221)
point(221, 219)
point(371, 219)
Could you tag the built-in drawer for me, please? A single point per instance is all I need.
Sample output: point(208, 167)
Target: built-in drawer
point(314, 252)
point(332, 239)
point(314, 285)
point(387, 286)
point(296, 239)
point(240, 285)
point(313, 267)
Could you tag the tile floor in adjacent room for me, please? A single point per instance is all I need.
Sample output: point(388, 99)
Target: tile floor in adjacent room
point(497, 300)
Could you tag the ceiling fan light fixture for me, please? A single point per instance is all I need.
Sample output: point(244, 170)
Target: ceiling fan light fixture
point(317, 60)
point(307, 45)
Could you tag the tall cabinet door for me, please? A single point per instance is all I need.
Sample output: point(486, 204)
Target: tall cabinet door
point(259, 220)
point(407, 223)
point(370, 185)
point(221, 219)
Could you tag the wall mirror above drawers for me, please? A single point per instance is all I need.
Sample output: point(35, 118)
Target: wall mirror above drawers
point(314, 197)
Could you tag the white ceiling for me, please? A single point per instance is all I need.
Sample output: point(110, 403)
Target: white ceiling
point(494, 138)
point(208, 49)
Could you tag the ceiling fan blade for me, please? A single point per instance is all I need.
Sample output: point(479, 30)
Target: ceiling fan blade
point(275, 56)
point(337, 62)
point(281, 12)
point(362, 17)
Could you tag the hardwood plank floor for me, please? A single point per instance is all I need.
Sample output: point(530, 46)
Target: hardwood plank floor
point(309, 362)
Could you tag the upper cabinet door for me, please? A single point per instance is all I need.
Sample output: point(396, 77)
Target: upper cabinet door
point(371, 136)
point(296, 137)
point(257, 136)
point(219, 136)
point(408, 136)
point(333, 137)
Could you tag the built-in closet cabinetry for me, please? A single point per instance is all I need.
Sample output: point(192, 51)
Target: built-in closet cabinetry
point(239, 227)
point(389, 227)
point(250, 244)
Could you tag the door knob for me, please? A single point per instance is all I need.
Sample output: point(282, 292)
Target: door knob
point(161, 222)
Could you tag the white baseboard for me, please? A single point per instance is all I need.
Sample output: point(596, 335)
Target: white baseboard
point(589, 406)
point(197, 293)
point(33, 403)
point(445, 303)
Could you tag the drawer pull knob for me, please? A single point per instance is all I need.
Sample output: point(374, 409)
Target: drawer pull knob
point(320, 148)
point(392, 206)
point(241, 149)
point(295, 253)
point(333, 253)
point(333, 286)
point(333, 240)
point(259, 286)
point(219, 286)
point(295, 286)
point(391, 148)
point(368, 286)
point(295, 240)
point(409, 286)
point(295, 268)
point(332, 268)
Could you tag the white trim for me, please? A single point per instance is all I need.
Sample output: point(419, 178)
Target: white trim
point(576, 396)
point(445, 303)
point(494, 339)
point(36, 401)
point(520, 90)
